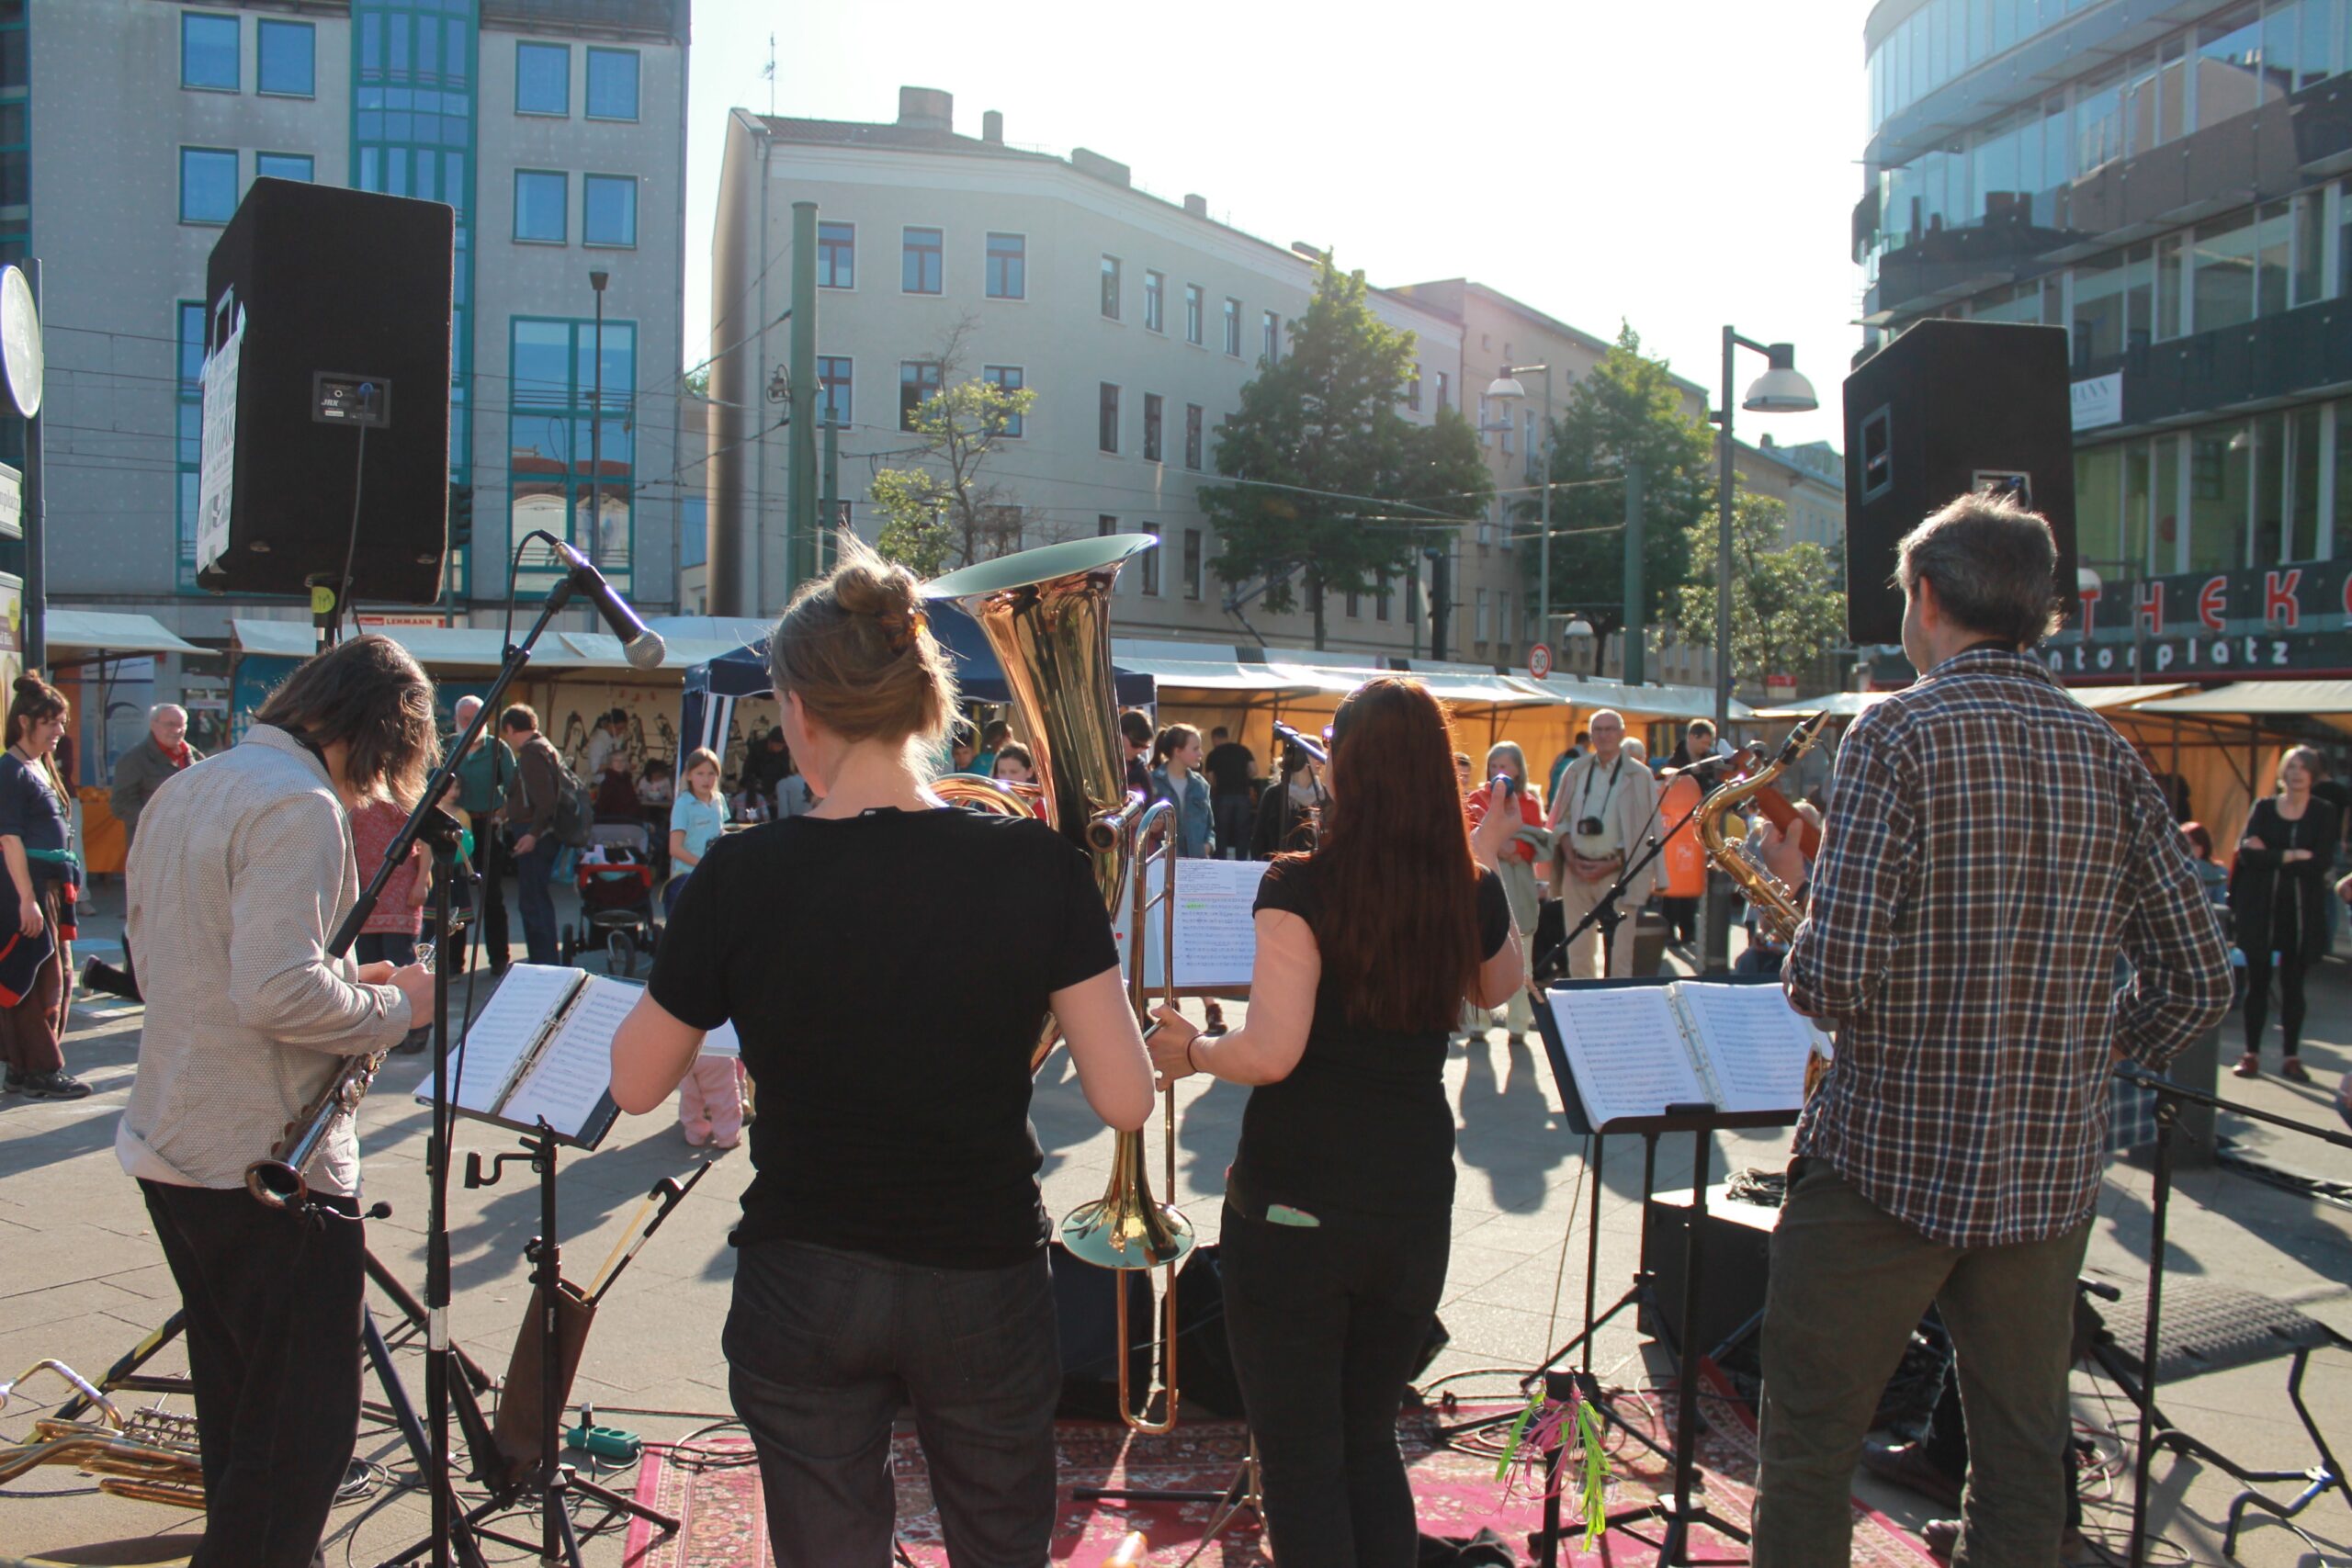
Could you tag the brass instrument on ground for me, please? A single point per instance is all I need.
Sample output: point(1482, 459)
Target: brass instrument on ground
point(149, 1455)
point(1046, 613)
point(1776, 913)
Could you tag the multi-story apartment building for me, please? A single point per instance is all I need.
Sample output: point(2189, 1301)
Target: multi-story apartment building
point(1809, 479)
point(2168, 182)
point(1135, 321)
point(555, 128)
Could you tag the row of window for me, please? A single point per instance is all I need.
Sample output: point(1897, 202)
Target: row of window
point(210, 189)
point(543, 208)
point(2222, 497)
point(286, 60)
point(2020, 165)
point(1145, 578)
point(2226, 271)
point(1107, 426)
point(212, 55)
point(1004, 266)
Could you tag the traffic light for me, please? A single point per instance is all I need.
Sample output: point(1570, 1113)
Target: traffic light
point(461, 516)
point(1441, 596)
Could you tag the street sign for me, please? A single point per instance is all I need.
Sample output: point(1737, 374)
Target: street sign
point(1539, 661)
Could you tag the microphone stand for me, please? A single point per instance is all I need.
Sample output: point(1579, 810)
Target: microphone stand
point(438, 1350)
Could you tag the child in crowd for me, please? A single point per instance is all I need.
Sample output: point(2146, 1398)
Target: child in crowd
point(710, 1098)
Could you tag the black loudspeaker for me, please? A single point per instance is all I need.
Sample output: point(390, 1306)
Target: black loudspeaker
point(1086, 1305)
point(1947, 408)
point(1734, 1264)
point(332, 310)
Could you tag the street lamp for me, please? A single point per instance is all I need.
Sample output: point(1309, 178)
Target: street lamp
point(1781, 389)
point(1506, 388)
point(596, 280)
point(1577, 633)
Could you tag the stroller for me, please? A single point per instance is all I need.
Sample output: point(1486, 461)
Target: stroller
point(615, 885)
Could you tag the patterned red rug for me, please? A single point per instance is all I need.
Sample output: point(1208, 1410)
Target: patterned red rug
point(723, 1523)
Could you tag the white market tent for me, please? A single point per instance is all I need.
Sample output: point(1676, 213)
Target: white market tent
point(1852, 704)
point(108, 634)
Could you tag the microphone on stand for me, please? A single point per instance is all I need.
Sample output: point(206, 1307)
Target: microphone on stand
point(640, 645)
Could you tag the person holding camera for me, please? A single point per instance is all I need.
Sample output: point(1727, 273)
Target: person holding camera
point(1606, 802)
point(1507, 772)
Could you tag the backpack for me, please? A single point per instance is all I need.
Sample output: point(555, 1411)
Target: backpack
point(575, 808)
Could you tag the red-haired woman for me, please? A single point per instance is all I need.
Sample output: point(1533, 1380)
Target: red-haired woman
point(1337, 1208)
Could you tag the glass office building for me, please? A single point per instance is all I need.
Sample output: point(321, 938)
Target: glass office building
point(2169, 184)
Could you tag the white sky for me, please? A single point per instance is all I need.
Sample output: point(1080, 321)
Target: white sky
point(1677, 164)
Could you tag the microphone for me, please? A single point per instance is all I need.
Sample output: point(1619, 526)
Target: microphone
point(1290, 736)
point(640, 645)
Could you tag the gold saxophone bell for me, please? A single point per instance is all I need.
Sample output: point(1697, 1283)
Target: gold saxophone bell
point(1046, 614)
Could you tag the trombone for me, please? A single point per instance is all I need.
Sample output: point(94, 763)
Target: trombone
point(1046, 614)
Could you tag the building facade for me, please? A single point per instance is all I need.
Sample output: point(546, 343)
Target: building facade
point(555, 128)
point(1809, 479)
point(2168, 182)
point(1135, 321)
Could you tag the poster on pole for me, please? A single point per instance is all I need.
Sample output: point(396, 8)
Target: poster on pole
point(217, 457)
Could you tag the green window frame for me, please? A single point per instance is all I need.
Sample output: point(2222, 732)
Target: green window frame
point(211, 203)
point(608, 211)
point(543, 79)
point(550, 367)
point(533, 190)
point(611, 90)
point(286, 58)
point(211, 52)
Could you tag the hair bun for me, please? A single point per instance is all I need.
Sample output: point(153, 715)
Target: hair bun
point(30, 685)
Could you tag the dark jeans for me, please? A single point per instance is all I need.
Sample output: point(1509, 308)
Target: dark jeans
point(273, 1306)
point(1849, 1282)
point(1945, 1445)
point(822, 1348)
point(384, 947)
point(1682, 919)
point(2289, 967)
point(490, 896)
point(538, 899)
point(1235, 813)
point(1327, 1323)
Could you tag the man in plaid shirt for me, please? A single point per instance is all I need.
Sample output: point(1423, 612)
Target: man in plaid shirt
point(1991, 849)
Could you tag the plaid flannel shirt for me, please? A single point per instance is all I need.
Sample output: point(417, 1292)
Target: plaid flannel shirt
point(1991, 847)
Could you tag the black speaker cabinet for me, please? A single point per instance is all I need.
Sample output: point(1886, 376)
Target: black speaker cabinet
point(1947, 408)
point(1085, 1308)
point(1734, 1264)
point(331, 308)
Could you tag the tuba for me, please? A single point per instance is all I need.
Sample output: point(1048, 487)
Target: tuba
point(1046, 613)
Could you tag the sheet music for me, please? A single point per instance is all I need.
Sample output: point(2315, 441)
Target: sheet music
point(495, 1045)
point(574, 1071)
point(1754, 1042)
point(1216, 940)
point(1626, 1050)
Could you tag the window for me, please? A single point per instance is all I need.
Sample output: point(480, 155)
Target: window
point(1413, 390)
point(1193, 563)
point(608, 209)
point(1486, 418)
point(612, 84)
point(208, 53)
point(1486, 622)
point(918, 384)
point(286, 58)
point(540, 200)
point(1192, 310)
point(1153, 408)
point(1105, 524)
point(1006, 378)
point(1008, 267)
point(208, 185)
point(836, 256)
point(1233, 327)
point(1111, 288)
point(1154, 287)
point(1107, 417)
point(285, 166)
point(2223, 291)
point(1533, 448)
point(549, 477)
point(1444, 390)
point(1270, 338)
point(1505, 432)
point(1380, 596)
point(2311, 247)
point(921, 257)
point(1355, 603)
point(1193, 437)
point(542, 78)
point(835, 386)
point(1151, 565)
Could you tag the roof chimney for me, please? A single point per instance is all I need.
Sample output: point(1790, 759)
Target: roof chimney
point(926, 108)
point(992, 127)
point(1198, 206)
point(1086, 160)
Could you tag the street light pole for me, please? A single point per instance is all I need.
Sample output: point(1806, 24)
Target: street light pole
point(596, 280)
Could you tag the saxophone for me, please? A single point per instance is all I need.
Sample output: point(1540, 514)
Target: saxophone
point(1776, 905)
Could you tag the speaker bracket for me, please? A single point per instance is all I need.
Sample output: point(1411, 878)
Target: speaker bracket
point(341, 398)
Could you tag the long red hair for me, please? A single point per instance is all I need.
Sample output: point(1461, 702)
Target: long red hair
point(1397, 890)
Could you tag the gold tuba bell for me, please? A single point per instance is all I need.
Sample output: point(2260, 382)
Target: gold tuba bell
point(1046, 613)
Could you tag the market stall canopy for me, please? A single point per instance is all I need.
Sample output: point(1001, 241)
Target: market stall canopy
point(484, 648)
point(2328, 700)
point(112, 632)
point(1852, 704)
point(1645, 701)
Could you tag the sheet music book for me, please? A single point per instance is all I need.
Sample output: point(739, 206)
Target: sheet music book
point(1635, 1050)
point(542, 1050)
point(1217, 939)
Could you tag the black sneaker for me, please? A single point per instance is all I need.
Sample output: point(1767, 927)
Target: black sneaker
point(51, 1086)
point(13, 1083)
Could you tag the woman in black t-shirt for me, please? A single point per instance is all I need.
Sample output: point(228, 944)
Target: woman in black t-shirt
point(893, 1244)
point(37, 842)
point(1337, 1209)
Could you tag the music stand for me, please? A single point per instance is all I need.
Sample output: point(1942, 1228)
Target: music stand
point(1678, 1511)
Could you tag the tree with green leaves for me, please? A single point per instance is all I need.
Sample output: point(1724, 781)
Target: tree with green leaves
point(1629, 406)
point(1786, 609)
point(943, 510)
point(1332, 487)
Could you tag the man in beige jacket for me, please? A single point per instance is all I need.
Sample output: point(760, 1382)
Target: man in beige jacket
point(1604, 811)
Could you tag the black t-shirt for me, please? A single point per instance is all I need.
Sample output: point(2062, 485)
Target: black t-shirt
point(30, 810)
point(1228, 767)
point(888, 974)
point(1361, 1122)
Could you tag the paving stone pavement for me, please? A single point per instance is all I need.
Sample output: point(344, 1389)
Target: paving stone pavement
point(81, 1278)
